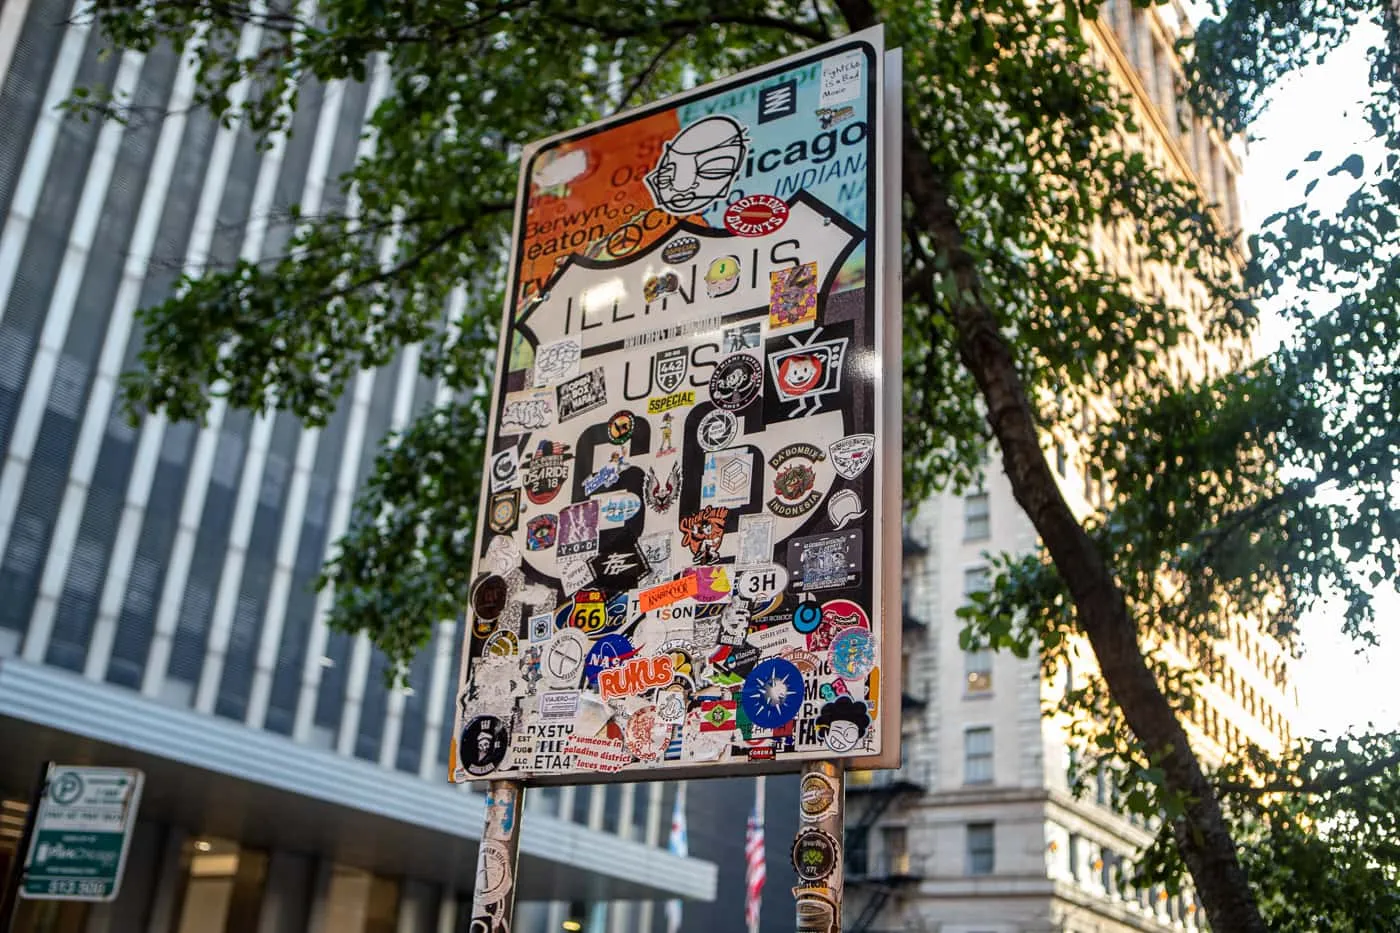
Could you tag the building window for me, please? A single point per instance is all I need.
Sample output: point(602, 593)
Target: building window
point(976, 580)
point(981, 848)
point(977, 756)
point(896, 850)
point(977, 519)
point(979, 672)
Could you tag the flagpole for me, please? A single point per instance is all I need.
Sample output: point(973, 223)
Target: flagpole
point(818, 854)
point(677, 845)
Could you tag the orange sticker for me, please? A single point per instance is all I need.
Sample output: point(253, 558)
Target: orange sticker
point(668, 593)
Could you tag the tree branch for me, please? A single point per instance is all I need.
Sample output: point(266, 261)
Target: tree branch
point(645, 74)
point(1333, 782)
point(686, 25)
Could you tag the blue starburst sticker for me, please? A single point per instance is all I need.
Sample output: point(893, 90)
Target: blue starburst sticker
point(773, 693)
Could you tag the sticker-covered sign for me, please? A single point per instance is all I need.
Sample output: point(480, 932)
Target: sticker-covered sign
point(692, 436)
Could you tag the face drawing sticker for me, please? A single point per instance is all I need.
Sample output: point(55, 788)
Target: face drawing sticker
point(698, 165)
point(806, 372)
point(722, 277)
point(483, 746)
point(843, 723)
point(703, 532)
point(736, 382)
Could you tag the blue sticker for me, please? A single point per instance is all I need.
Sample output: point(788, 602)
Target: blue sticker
point(608, 651)
point(806, 618)
point(773, 693)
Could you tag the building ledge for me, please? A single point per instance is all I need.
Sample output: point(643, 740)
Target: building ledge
point(220, 777)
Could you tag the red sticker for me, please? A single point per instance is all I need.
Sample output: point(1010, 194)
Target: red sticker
point(756, 215)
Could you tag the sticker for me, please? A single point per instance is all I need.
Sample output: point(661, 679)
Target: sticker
point(589, 613)
point(484, 743)
point(756, 215)
point(837, 616)
point(607, 475)
point(815, 913)
point(795, 480)
point(668, 445)
point(852, 454)
point(618, 569)
point(682, 654)
point(792, 296)
point(727, 477)
point(777, 101)
point(559, 704)
point(657, 287)
point(606, 653)
point(804, 661)
point(541, 532)
point(843, 508)
point(842, 724)
point(736, 382)
point(679, 250)
point(541, 627)
point(773, 693)
point(656, 548)
point(565, 658)
point(722, 277)
point(853, 653)
point(557, 362)
point(660, 497)
point(804, 373)
point(546, 471)
point(578, 529)
point(733, 623)
point(718, 715)
point(757, 583)
point(698, 165)
point(582, 394)
point(493, 877)
point(841, 78)
point(634, 677)
point(665, 403)
point(504, 467)
point(834, 116)
point(574, 575)
point(712, 583)
point(502, 556)
point(716, 429)
point(703, 532)
point(501, 645)
point(529, 410)
point(755, 540)
point(625, 239)
point(806, 618)
point(503, 511)
point(668, 369)
point(823, 562)
point(670, 705)
point(501, 811)
point(814, 855)
point(620, 427)
point(646, 735)
point(769, 640)
point(818, 797)
point(489, 597)
point(595, 753)
point(618, 508)
point(746, 338)
point(667, 593)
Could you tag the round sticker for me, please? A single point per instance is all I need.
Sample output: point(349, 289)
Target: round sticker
point(646, 735)
point(814, 855)
point(563, 662)
point(773, 693)
point(502, 644)
point(756, 215)
point(680, 250)
point(806, 618)
point(736, 382)
point(798, 373)
point(608, 651)
point(489, 597)
point(818, 797)
point(717, 428)
point(852, 653)
point(620, 427)
point(483, 746)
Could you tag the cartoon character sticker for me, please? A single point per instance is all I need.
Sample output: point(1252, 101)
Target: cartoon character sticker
point(703, 532)
point(792, 296)
point(698, 165)
point(722, 277)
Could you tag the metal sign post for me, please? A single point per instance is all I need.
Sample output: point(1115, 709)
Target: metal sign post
point(818, 852)
point(493, 895)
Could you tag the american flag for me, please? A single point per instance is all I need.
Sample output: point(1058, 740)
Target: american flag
point(756, 871)
point(678, 844)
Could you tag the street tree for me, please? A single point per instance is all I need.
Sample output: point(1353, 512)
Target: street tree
point(1254, 490)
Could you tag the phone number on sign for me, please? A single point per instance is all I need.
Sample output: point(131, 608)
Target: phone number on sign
point(78, 888)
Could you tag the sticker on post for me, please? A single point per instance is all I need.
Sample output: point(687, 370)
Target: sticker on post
point(557, 362)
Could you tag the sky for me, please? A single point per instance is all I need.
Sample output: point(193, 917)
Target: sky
point(1337, 688)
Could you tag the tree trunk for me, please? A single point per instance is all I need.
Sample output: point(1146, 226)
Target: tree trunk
point(1201, 834)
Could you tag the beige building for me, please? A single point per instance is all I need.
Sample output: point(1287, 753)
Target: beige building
point(979, 833)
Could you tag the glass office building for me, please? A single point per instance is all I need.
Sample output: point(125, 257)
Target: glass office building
point(156, 598)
